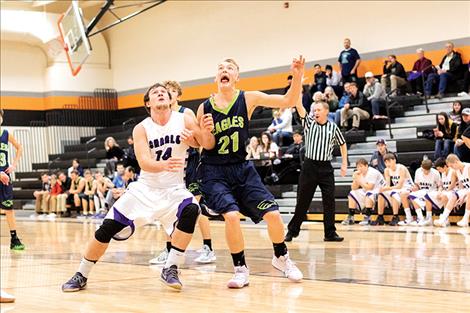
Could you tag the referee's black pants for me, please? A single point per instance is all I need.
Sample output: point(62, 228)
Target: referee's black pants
point(315, 173)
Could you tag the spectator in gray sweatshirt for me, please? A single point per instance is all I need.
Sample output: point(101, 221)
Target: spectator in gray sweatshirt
point(375, 93)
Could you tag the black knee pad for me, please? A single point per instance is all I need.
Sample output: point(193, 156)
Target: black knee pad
point(107, 230)
point(188, 218)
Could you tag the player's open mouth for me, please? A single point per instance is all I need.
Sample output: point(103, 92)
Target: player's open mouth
point(224, 79)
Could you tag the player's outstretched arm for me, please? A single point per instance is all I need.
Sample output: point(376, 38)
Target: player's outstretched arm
point(19, 152)
point(144, 157)
point(258, 98)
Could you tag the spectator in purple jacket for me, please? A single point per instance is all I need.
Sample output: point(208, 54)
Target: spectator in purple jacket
point(422, 67)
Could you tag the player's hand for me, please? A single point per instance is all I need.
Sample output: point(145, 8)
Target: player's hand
point(173, 165)
point(4, 178)
point(415, 188)
point(344, 168)
point(10, 169)
point(186, 135)
point(298, 66)
point(207, 122)
point(346, 106)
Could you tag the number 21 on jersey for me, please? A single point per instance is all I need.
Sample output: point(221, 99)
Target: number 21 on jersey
point(224, 143)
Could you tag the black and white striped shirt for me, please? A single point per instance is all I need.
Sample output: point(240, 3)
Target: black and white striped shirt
point(320, 139)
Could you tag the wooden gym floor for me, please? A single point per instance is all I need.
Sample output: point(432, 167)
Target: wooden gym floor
point(376, 269)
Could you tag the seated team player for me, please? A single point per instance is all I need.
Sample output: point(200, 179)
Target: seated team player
point(460, 196)
point(438, 199)
point(365, 187)
point(426, 179)
point(161, 144)
point(397, 179)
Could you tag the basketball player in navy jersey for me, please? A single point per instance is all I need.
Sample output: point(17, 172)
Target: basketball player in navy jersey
point(161, 144)
point(207, 254)
point(229, 183)
point(6, 192)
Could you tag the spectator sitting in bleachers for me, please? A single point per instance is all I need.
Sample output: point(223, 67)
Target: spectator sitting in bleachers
point(422, 67)
point(333, 79)
point(348, 62)
point(115, 193)
point(319, 80)
point(375, 93)
point(448, 71)
point(294, 150)
point(42, 197)
point(377, 159)
point(57, 197)
point(88, 201)
point(75, 166)
point(269, 149)
point(317, 97)
point(103, 185)
point(113, 155)
point(394, 75)
point(118, 180)
point(129, 155)
point(344, 99)
point(456, 114)
point(444, 134)
point(253, 149)
point(75, 193)
point(332, 99)
point(281, 127)
point(357, 109)
point(460, 149)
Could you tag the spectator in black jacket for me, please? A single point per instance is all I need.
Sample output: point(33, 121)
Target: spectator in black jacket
point(294, 149)
point(444, 133)
point(129, 155)
point(377, 159)
point(319, 80)
point(394, 74)
point(448, 71)
point(358, 108)
point(460, 149)
point(113, 154)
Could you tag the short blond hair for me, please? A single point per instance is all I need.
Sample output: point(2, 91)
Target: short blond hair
point(452, 159)
point(232, 61)
point(173, 84)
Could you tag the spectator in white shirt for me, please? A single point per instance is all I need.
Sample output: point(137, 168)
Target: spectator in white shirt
point(333, 79)
point(281, 128)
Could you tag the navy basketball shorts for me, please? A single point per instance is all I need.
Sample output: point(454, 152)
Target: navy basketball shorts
point(192, 183)
point(236, 187)
point(6, 196)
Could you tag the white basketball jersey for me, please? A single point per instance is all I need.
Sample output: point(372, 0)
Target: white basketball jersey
point(430, 181)
point(165, 142)
point(447, 179)
point(395, 176)
point(463, 176)
point(374, 177)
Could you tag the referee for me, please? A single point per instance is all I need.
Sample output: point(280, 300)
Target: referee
point(320, 137)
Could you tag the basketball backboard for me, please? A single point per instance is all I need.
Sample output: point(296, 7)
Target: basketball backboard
point(74, 38)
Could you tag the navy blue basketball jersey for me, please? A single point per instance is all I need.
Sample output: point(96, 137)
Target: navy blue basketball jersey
point(230, 131)
point(4, 151)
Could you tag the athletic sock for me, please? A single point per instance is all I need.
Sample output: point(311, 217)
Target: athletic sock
point(280, 249)
point(419, 214)
point(368, 211)
point(409, 217)
point(85, 267)
point(446, 214)
point(239, 258)
point(13, 234)
point(168, 246)
point(208, 242)
point(175, 257)
point(352, 211)
point(428, 215)
point(466, 214)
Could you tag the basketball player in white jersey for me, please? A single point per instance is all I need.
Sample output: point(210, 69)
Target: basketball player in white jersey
point(207, 254)
point(460, 196)
point(438, 199)
point(397, 180)
point(426, 179)
point(365, 187)
point(161, 144)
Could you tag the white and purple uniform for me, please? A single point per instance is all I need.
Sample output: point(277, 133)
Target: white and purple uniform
point(446, 181)
point(359, 195)
point(156, 196)
point(426, 183)
point(464, 181)
point(395, 177)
